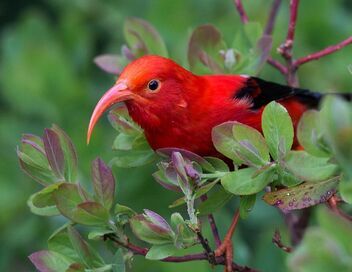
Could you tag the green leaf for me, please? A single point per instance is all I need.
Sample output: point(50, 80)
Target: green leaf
point(309, 134)
point(278, 129)
point(143, 39)
point(67, 197)
point(91, 213)
point(246, 205)
point(217, 164)
point(47, 260)
point(287, 178)
point(158, 252)
point(103, 183)
point(224, 142)
point(121, 121)
point(337, 128)
point(42, 203)
point(86, 253)
point(345, 189)
point(99, 234)
point(185, 236)
point(320, 252)
point(308, 167)
point(337, 226)
point(70, 154)
point(302, 196)
point(204, 50)
point(33, 160)
point(250, 145)
point(149, 232)
point(61, 243)
point(119, 262)
point(133, 158)
point(73, 205)
point(214, 202)
point(246, 182)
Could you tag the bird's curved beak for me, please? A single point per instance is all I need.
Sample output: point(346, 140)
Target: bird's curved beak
point(118, 93)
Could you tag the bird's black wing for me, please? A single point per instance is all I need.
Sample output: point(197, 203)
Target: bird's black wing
point(262, 92)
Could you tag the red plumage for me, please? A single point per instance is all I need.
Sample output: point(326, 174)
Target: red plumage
point(184, 107)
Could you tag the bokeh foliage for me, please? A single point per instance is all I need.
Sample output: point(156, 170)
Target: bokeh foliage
point(47, 76)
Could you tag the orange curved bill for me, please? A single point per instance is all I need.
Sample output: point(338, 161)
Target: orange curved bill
point(117, 93)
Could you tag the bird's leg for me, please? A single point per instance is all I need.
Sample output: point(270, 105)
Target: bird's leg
point(226, 247)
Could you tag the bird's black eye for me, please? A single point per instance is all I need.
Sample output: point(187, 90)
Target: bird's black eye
point(153, 85)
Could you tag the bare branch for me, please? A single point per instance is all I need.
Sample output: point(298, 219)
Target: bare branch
point(272, 17)
point(212, 223)
point(327, 51)
point(241, 11)
point(178, 259)
point(282, 68)
point(285, 49)
point(277, 241)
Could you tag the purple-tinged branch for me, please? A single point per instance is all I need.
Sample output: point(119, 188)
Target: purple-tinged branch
point(327, 51)
point(282, 68)
point(272, 17)
point(179, 259)
point(241, 11)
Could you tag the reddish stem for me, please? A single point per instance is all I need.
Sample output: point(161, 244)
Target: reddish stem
point(282, 68)
point(241, 11)
point(327, 51)
point(333, 204)
point(178, 259)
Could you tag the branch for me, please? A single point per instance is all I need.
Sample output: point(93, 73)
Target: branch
point(212, 223)
point(282, 68)
point(241, 11)
point(333, 205)
point(272, 17)
point(277, 241)
point(327, 51)
point(285, 49)
point(178, 259)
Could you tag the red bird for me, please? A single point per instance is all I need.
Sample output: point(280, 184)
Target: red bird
point(177, 108)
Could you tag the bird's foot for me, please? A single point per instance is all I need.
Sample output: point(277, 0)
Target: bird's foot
point(226, 247)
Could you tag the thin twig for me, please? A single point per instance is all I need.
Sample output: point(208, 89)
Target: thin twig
point(226, 248)
point(212, 224)
point(327, 51)
point(333, 205)
point(285, 49)
point(280, 67)
point(241, 11)
point(209, 253)
point(272, 17)
point(277, 241)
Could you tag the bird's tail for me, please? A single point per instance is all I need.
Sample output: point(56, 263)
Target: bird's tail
point(312, 99)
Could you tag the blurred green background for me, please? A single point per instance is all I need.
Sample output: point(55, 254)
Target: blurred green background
point(47, 76)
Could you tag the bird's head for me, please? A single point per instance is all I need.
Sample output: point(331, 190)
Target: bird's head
point(151, 86)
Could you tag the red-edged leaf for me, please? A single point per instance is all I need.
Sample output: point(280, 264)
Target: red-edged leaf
point(302, 196)
point(112, 64)
point(70, 154)
point(54, 152)
point(49, 261)
point(204, 49)
point(86, 253)
point(103, 183)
